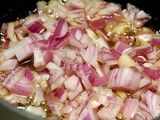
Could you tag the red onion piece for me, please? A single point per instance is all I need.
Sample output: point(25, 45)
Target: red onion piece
point(35, 37)
point(56, 81)
point(100, 23)
point(8, 65)
point(5, 44)
point(152, 73)
point(152, 56)
point(56, 43)
point(11, 52)
point(25, 52)
point(39, 61)
point(76, 92)
point(105, 112)
point(54, 69)
point(42, 58)
point(44, 75)
point(144, 49)
point(13, 77)
point(59, 93)
point(130, 107)
point(72, 83)
point(106, 55)
point(115, 53)
point(72, 66)
point(49, 99)
point(35, 27)
point(144, 82)
point(155, 40)
point(119, 80)
point(61, 29)
point(22, 89)
point(153, 89)
point(111, 99)
point(135, 16)
point(48, 56)
point(152, 101)
point(98, 81)
point(72, 4)
point(109, 9)
point(87, 69)
point(123, 48)
point(90, 55)
point(79, 38)
point(28, 74)
point(86, 114)
point(140, 59)
point(138, 117)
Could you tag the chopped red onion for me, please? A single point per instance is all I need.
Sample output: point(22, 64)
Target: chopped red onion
point(98, 81)
point(61, 94)
point(105, 112)
point(25, 52)
point(155, 40)
point(38, 58)
point(21, 89)
point(28, 74)
point(74, 4)
point(61, 29)
point(8, 65)
point(100, 23)
point(152, 100)
point(144, 82)
point(135, 16)
point(119, 80)
point(35, 27)
point(13, 77)
point(152, 73)
point(79, 38)
point(144, 49)
point(130, 107)
point(123, 48)
point(72, 83)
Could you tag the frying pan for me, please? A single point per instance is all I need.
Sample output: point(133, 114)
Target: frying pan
point(11, 9)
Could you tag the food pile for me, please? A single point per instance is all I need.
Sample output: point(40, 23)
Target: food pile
point(82, 60)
